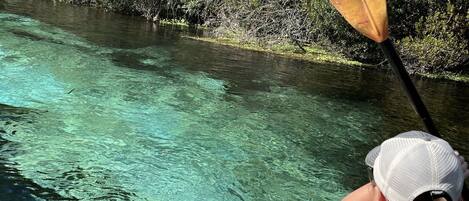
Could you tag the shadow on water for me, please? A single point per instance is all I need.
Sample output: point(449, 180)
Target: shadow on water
point(13, 186)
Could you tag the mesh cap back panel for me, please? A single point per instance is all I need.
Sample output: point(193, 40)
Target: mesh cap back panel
point(410, 165)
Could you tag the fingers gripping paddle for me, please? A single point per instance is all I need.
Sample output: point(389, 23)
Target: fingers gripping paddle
point(369, 17)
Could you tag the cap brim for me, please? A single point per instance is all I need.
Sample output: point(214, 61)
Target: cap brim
point(371, 156)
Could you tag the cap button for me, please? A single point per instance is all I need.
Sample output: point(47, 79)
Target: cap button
point(427, 139)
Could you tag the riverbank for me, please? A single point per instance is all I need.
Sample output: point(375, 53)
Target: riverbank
point(438, 46)
point(310, 53)
point(314, 54)
point(446, 76)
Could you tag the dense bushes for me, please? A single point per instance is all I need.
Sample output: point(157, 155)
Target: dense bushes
point(331, 30)
point(440, 42)
point(433, 35)
point(266, 22)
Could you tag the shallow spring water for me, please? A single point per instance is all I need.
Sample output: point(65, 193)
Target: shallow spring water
point(88, 113)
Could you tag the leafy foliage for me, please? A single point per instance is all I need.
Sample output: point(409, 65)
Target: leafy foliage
point(331, 30)
point(440, 42)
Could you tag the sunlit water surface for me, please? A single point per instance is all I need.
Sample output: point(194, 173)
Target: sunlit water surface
point(89, 113)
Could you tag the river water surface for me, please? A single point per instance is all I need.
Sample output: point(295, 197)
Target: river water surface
point(100, 106)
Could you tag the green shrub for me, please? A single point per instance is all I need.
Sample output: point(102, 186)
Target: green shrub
point(440, 43)
point(330, 30)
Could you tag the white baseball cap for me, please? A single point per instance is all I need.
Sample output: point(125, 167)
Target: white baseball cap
point(414, 163)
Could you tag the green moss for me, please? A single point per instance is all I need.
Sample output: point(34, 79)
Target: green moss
point(175, 22)
point(447, 76)
point(313, 54)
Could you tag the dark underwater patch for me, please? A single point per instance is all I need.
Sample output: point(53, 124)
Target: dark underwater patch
point(13, 185)
point(127, 59)
point(25, 34)
point(33, 36)
point(130, 60)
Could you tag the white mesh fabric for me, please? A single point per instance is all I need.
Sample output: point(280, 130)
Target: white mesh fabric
point(415, 162)
point(449, 175)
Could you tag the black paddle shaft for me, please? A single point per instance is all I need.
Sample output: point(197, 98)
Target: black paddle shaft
point(408, 86)
point(406, 83)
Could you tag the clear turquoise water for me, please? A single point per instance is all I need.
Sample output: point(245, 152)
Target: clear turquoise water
point(126, 133)
point(175, 119)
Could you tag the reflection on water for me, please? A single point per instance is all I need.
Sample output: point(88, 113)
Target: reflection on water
point(106, 107)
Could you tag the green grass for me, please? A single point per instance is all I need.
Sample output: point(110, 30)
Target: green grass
point(313, 54)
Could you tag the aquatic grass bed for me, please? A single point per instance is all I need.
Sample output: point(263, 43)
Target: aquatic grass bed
point(107, 125)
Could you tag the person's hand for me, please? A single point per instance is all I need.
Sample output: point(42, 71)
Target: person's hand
point(463, 164)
